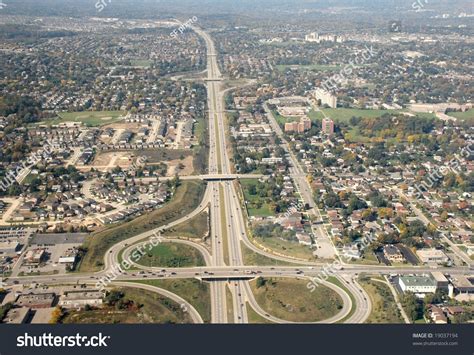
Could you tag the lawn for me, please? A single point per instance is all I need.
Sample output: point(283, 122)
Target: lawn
point(150, 308)
point(88, 118)
point(252, 258)
point(195, 292)
point(225, 236)
point(334, 280)
point(256, 205)
point(230, 304)
point(186, 199)
point(195, 228)
point(291, 300)
point(467, 115)
point(384, 307)
point(172, 255)
point(255, 318)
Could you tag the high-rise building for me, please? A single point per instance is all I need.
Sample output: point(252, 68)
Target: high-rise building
point(328, 126)
point(303, 125)
point(326, 97)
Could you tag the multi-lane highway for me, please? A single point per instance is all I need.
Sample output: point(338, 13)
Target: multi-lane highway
point(224, 260)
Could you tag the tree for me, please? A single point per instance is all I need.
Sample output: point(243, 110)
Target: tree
point(413, 306)
point(261, 282)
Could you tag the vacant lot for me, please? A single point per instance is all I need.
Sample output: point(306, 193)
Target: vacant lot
point(289, 299)
point(109, 160)
point(186, 198)
point(286, 247)
point(148, 307)
point(194, 291)
point(172, 255)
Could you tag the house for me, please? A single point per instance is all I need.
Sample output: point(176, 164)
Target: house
point(304, 239)
point(351, 251)
point(437, 315)
point(293, 222)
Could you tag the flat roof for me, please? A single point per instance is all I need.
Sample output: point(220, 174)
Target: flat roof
point(430, 252)
point(462, 281)
point(418, 280)
point(439, 276)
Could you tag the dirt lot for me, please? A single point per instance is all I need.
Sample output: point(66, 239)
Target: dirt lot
point(109, 160)
point(124, 125)
point(173, 167)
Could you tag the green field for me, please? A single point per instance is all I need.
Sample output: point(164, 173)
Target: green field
point(172, 255)
point(195, 292)
point(88, 118)
point(186, 199)
point(312, 67)
point(252, 258)
point(384, 307)
point(345, 114)
point(195, 228)
point(256, 206)
point(467, 115)
point(291, 300)
point(149, 307)
point(144, 63)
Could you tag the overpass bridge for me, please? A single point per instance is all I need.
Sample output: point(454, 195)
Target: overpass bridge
point(209, 177)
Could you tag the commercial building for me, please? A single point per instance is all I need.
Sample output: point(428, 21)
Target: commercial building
point(79, 299)
point(418, 284)
point(462, 284)
point(432, 256)
point(17, 315)
point(34, 257)
point(36, 300)
point(441, 281)
point(9, 247)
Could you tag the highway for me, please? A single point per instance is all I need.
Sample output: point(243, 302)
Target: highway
point(224, 261)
